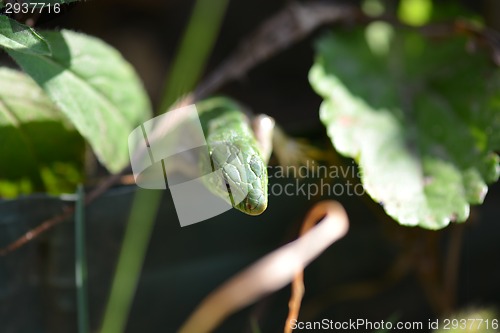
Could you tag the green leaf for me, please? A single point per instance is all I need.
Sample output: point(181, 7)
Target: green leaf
point(40, 150)
point(96, 89)
point(422, 121)
point(21, 38)
point(415, 12)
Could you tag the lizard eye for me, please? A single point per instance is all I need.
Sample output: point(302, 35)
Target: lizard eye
point(228, 188)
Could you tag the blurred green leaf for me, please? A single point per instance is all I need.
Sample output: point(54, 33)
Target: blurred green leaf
point(415, 12)
point(373, 7)
point(40, 150)
point(453, 10)
point(196, 45)
point(422, 121)
point(96, 89)
point(21, 38)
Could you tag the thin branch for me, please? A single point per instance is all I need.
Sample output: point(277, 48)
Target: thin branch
point(57, 219)
point(292, 24)
point(273, 271)
point(484, 37)
point(298, 288)
point(35, 232)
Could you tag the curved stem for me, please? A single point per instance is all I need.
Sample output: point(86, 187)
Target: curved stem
point(273, 271)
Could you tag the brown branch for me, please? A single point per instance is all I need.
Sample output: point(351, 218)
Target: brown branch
point(292, 24)
point(35, 232)
point(298, 288)
point(484, 37)
point(273, 271)
point(57, 219)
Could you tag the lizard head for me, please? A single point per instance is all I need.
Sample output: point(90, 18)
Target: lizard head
point(242, 180)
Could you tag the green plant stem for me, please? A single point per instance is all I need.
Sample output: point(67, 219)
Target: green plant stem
point(81, 263)
point(128, 270)
point(196, 45)
point(195, 48)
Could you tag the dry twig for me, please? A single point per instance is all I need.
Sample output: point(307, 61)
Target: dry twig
point(273, 271)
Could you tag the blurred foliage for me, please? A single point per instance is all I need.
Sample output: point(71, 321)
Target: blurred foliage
point(420, 117)
point(95, 88)
point(194, 50)
point(41, 150)
point(415, 12)
point(85, 82)
point(441, 144)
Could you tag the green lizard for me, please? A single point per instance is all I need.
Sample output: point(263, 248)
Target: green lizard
point(238, 146)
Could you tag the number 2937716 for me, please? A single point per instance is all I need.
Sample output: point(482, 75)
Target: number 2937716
point(31, 7)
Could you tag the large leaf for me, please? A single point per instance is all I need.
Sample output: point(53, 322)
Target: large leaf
point(95, 88)
point(21, 38)
point(421, 117)
point(40, 150)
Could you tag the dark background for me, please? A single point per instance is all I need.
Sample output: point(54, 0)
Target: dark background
point(351, 280)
